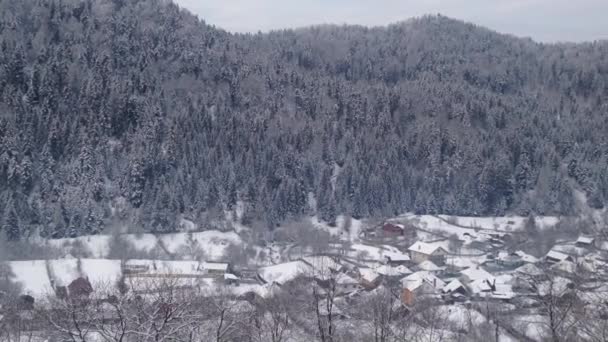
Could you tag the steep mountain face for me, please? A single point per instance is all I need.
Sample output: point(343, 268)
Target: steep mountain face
point(138, 113)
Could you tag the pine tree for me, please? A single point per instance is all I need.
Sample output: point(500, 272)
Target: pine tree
point(11, 222)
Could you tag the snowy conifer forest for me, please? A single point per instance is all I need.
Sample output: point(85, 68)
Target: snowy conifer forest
point(138, 113)
point(163, 179)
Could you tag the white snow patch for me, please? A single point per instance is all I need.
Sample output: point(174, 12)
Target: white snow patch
point(32, 276)
point(283, 273)
point(212, 242)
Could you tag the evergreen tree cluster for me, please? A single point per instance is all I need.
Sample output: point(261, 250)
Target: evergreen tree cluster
point(138, 111)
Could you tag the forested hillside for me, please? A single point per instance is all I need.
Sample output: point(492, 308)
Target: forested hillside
point(137, 112)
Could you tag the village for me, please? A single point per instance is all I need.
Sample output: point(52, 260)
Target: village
point(416, 264)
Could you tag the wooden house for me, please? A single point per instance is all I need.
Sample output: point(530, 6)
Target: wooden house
point(418, 285)
point(422, 251)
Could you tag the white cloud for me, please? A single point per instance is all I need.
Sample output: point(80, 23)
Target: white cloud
point(545, 20)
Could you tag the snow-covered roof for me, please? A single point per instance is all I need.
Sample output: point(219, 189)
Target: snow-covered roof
point(322, 264)
point(553, 254)
point(368, 274)
point(526, 257)
point(230, 276)
point(345, 279)
point(502, 255)
point(403, 270)
point(393, 271)
point(565, 266)
point(452, 286)
point(424, 248)
point(428, 265)
point(477, 273)
point(481, 285)
point(585, 240)
point(529, 269)
point(415, 280)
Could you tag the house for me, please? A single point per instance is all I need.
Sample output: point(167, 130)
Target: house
point(218, 268)
point(497, 238)
point(346, 284)
point(455, 291)
point(475, 273)
point(395, 259)
point(585, 241)
point(429, 266)
point(163, 269)
point(369, 278)
point(482, 284)
point(422, 251)
point(455, 286)
point(526, 276)
point(389, 229)
point(231, 279)
point(478, 280)
point(525, 257)
point(509, 260)
point(418, 285)
point(390, 271)
point(554, 257)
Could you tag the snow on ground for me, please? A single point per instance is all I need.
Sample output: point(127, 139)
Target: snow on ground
point(283, 273)
point(370, 252)
point(435, 224)
point(33, 275)
point(359, 250)
point(212, 242)
point(460, 316)
point(351, 233)
point(64, 271)
point(504, 223)
point(533, 326)
point(460, 225)
point(355, 229)
point(322, 225)
point(97, 245)
point(101, 271)
point(143, 242)
point(264, 291)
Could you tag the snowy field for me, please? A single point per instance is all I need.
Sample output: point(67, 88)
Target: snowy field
point(352, 233)
point(212, 242)
point(37, 276)
point(464, 226)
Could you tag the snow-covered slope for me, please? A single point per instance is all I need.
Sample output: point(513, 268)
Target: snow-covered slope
point(212, 242)
point(36, 277)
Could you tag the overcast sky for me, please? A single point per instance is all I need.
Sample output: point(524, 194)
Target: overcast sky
point(543, 20)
